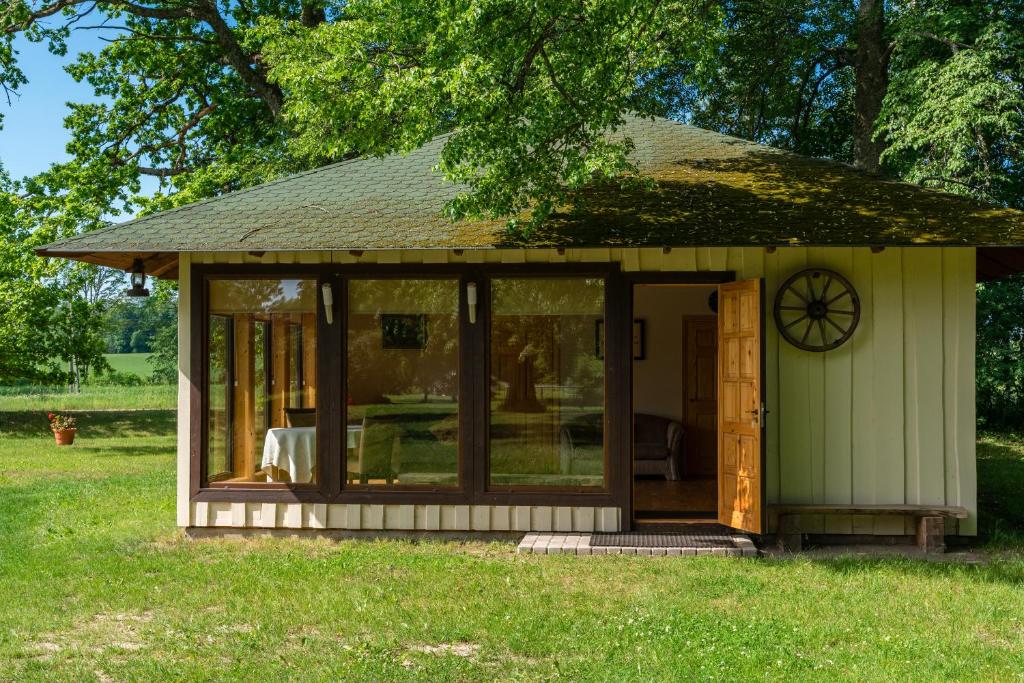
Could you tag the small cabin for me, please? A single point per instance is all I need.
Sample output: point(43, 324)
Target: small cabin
point(755, 333)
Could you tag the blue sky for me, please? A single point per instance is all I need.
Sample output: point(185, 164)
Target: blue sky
point(33, 134)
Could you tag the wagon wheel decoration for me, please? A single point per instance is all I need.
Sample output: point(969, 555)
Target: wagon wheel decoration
point(817, 309)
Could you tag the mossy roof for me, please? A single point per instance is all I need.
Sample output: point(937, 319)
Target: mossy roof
point(709, 190)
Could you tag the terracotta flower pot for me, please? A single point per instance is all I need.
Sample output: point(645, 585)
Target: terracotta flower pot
point(64, 437)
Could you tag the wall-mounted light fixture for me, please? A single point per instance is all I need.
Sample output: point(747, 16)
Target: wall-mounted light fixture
point(471, 301)
point(328, 302)
point(138, 280)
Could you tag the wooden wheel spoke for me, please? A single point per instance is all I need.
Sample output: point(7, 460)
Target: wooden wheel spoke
point(824, 290)
point(793, 290)
point(792, 308)
point(807, 331)
point(837, 297)
point(800, 319)
point(844, 312)
point(810, 287)
point(824, 337)
point(833, 324)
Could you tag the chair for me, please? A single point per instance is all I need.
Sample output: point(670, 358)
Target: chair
point(379, 453)
point(300, 417)
point(657, 446)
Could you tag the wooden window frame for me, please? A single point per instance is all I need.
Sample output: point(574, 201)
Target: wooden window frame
point(473, 371)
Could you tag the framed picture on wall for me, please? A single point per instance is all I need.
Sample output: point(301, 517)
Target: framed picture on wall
point(638, 339)
point(404, 331)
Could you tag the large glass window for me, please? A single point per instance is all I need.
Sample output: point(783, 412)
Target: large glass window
point(403, 382)
point(547, 382)
point(261, 419)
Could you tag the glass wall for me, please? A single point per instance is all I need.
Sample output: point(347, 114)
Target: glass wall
point(403, 382)
point(546, 425)
point(261, 382)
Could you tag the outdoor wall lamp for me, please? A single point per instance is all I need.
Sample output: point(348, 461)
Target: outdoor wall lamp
point(328, 302)
point(138, 280)
point(471, 301)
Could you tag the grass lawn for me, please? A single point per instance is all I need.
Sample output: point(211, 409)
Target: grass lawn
point(98, 585)
point(136, 363)
point(43, 399)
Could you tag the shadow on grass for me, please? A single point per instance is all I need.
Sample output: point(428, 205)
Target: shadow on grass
point(91, 423)
point(1001, 490)
point(1008, 571)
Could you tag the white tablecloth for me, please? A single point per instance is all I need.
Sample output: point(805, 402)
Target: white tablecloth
point(292, 449)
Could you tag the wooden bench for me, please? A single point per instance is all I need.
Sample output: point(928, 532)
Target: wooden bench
point(931, 521)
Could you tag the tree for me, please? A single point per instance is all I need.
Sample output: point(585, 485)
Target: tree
point(954, 116)
point(1000, 369)
point(24, 298)
point(210, 96)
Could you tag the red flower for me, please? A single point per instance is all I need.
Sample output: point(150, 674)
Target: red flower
point(49, 416)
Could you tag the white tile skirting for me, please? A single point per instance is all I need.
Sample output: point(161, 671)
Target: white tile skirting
point(404, 517)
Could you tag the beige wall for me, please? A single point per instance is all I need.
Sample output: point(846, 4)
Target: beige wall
point(886, 418)
point(658, 378)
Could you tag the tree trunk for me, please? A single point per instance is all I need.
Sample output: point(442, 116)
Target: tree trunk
point(871, 75)
point(76, 378)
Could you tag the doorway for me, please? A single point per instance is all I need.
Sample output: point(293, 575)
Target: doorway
point(675, 402)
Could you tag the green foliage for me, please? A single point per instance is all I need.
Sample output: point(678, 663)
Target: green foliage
point(1000, 354)
point(524, 89)
point(782, 77)
point(116, 378)
point(954, 116)
point(164, 360)
point(131, 325)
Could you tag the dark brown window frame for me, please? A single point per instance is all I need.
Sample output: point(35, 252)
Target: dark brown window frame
point(473, 345)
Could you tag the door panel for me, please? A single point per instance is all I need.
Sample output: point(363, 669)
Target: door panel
point(740, 473)
point(700, 397)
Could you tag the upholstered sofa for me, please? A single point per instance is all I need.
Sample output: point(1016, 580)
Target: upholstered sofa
point(657, 446)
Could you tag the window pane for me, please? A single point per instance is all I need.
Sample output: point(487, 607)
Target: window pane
point(262, 408)
point(547, 382)
point(403, 382)
point(219, 416)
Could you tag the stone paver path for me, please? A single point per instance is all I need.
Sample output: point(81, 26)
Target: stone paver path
point(737, 545)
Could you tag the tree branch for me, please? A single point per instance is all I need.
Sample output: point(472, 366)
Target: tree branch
point(242, 63)
point(163, 172)
point(953, 181)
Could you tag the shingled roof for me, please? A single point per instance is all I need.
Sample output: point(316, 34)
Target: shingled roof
point(710, 190)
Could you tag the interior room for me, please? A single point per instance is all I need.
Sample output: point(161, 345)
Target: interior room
point(675, 412)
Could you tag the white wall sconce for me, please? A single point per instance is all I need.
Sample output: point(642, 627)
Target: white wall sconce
point(471, 301)
point(325, 288)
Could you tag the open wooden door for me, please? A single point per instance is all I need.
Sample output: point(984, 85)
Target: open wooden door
point(740, 410)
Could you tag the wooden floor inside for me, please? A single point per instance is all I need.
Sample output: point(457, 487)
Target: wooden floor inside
point(656, 498)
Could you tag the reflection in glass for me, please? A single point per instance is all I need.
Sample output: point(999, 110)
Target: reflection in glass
point(547, 383)
point(261, 382)
point(403, 382)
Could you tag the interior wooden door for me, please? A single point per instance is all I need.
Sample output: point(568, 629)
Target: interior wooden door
point(740, 410)
point(700, 395)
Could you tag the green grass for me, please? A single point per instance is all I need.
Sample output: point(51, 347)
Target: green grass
point(98, 585)
point(90, 398)
point(1001, 489)
point(93, 397)
point(135, 363)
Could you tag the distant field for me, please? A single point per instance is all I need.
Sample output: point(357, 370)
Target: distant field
point(90, 398)
point(137, 363)
point(96, 397)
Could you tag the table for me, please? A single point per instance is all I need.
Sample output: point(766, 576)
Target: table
point(291, 450)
